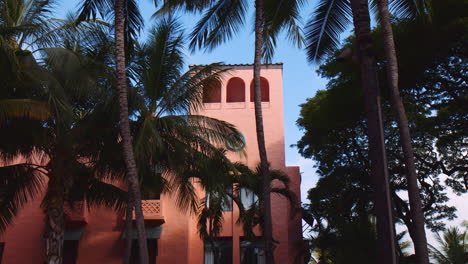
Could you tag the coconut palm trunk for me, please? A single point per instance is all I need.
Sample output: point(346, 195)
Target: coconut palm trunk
point(54, 220)
point(129, 157)
point(417, 216)
point(267, 225)
point(377, 155)
point(128, 230)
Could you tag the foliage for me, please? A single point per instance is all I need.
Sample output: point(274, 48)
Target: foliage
point(70, 82)
point(171, 143)
point(433, 87)
point(330, 18)
point(351, 241)
point(453, 247)
point(238, 180)
point(222, 19)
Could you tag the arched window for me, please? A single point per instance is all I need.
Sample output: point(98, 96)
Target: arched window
point(212, 92)
point(235, 90)
point(265, 88)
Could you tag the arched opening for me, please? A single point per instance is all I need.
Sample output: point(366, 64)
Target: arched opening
point(265, 89)
point(212, 92)
point(235, 90)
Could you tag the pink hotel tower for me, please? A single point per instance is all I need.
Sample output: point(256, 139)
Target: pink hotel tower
point(97, 236)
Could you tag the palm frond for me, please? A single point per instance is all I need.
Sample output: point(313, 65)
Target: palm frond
point(186, 93)
point(90, 9)
point(453, 247)
point(9, 62)
point(69, 71)
point(23, 108)
point(99, 193)
point(170, 6)
point(186, 197)
point(249, 218)
point(411, 9)
point(161, 59)
point(328, 21)
point(280, 176)
point(26, 22)
point(210, 219)
point(280, 16)
point(219, 23)
point(290, 196)
point(19, 184)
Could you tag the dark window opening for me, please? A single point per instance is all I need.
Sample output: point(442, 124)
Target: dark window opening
point(265, 90)
point(212, 92)
point(235, 90)
point(70, 251)
point(2, 246)
point(218, 251)
point(226, 200)
point(152, 251)
point(150, 195)
point(252, 252)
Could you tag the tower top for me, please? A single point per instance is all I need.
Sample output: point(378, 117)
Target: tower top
point(267, 65)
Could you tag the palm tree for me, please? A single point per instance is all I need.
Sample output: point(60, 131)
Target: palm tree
point(24, 24)
point(171, 143)
point(73, 86)
point(246, 183)
point(331, 18)
point(221, 21)
point(453, 247)
point(127, 23)
point(416, 212)
point(266, 177)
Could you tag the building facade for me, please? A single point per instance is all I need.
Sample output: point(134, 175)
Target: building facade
point(97, 235)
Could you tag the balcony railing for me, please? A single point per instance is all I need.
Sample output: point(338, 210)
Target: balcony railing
point(152, 212)
point(76, 215)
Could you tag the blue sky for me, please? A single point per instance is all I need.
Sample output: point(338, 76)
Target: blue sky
point(300, 82)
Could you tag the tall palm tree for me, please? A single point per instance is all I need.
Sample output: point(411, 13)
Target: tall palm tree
point(72, 85)
point(377, 155)
point(417, 216)
point(330, 19)
point(219, 23)
point(171, 143)
point(127, 23)
point(453, 247)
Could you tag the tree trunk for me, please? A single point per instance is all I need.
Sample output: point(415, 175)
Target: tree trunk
point(128, 230)
point(267, 225)
point(417, 216)
point(129, 157)
point(55, 220)
point(377, 155)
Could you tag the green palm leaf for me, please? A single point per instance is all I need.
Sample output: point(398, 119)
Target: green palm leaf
point(329, 19)
point(281, 15)
point(453, 247)
point(219, 23)
point(19, 184)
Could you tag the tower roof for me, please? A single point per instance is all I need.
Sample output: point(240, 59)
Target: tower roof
point(241, 64)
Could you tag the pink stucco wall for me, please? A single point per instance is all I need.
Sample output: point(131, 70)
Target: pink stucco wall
point(101, 241)
point(242, 115)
